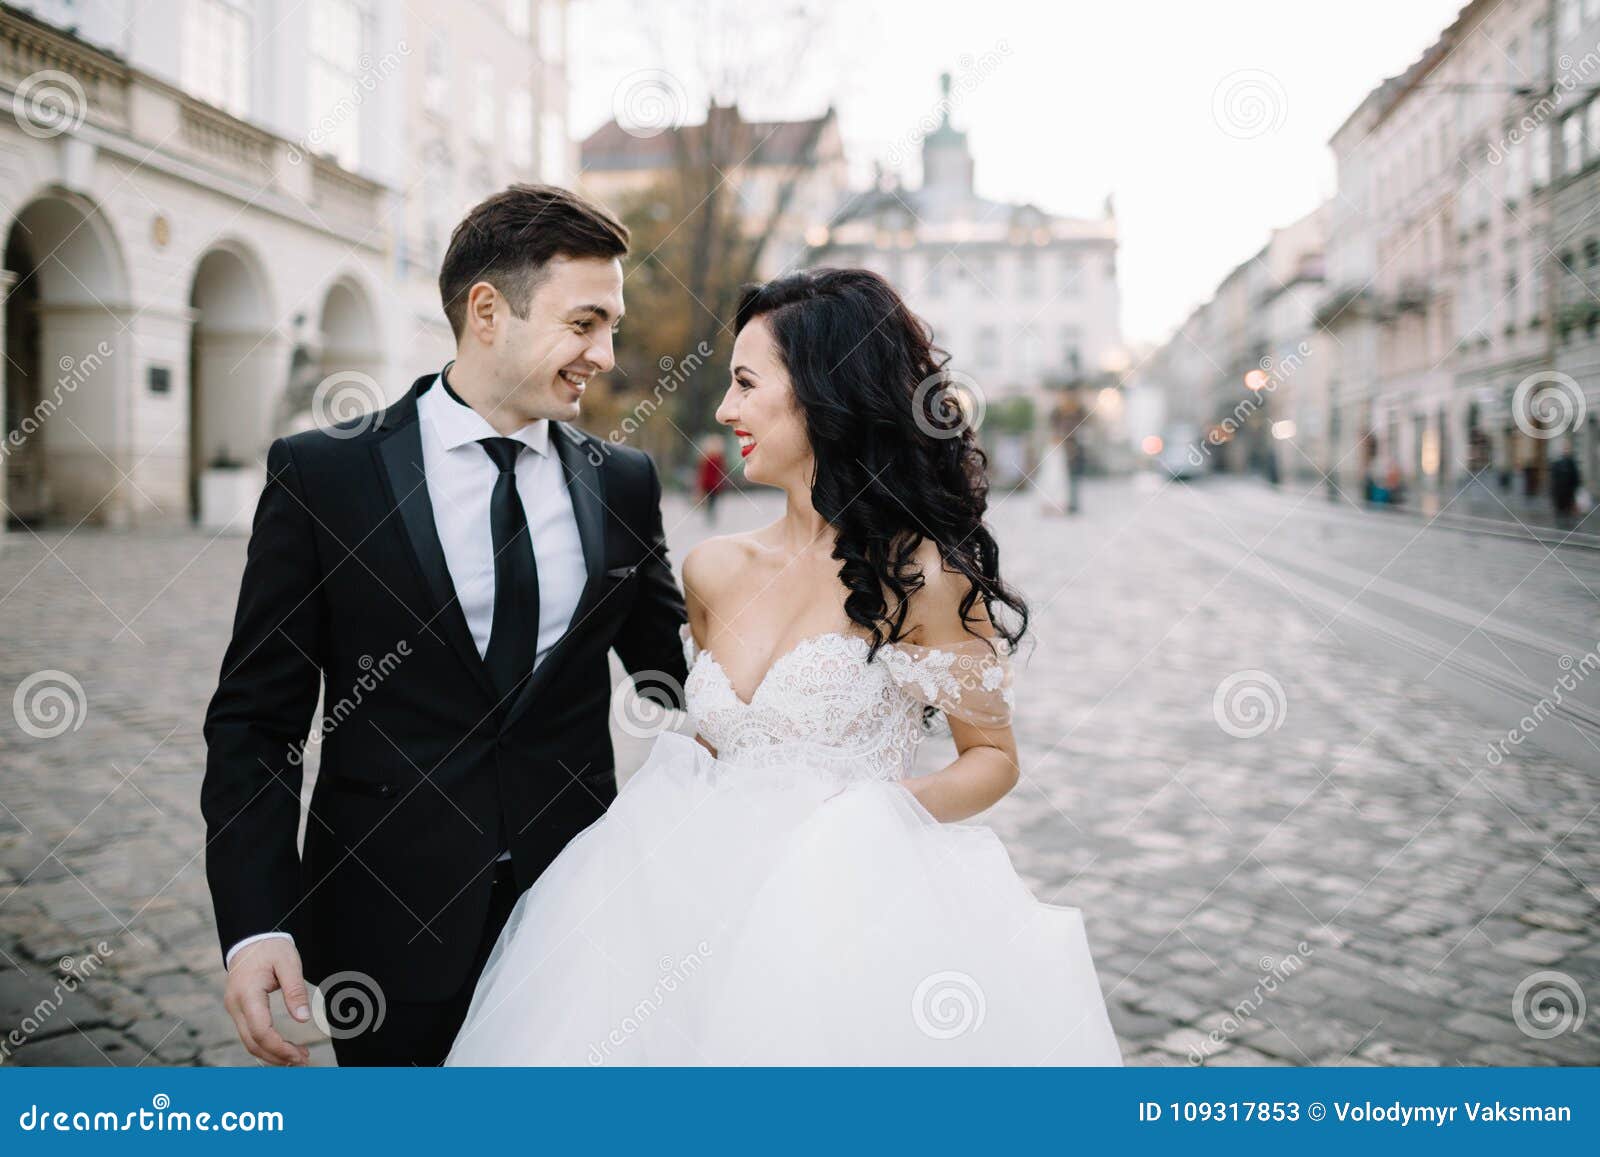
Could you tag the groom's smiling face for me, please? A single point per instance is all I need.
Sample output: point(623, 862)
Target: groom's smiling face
point(545, 361)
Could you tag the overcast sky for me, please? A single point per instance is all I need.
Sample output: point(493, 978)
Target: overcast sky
point(1208, 122)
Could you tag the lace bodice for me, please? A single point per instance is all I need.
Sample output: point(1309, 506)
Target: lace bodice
point(823, 704)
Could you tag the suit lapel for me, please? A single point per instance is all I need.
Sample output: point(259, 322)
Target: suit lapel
point(586, 485)
point(400, 456)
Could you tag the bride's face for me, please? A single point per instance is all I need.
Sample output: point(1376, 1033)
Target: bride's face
point(760, 406)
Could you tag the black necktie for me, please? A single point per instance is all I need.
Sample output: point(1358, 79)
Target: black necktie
point(514, 635)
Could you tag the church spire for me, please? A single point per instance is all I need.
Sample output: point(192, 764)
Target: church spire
point(946, 161)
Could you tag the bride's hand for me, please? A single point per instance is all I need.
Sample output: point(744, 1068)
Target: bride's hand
point(258, 970)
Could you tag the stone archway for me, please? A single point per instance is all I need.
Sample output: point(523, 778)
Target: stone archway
point(67, 447)
point(348, 332)
point(236, 364)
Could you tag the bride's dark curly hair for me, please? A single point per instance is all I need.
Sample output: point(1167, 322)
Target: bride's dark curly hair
point(897, 460)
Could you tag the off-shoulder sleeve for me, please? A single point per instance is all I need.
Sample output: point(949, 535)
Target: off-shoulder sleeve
point(690, 651)
point(970, 680)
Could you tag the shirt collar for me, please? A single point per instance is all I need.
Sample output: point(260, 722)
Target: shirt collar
point(458, 424)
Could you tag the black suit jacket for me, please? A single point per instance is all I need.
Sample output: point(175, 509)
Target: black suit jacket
point(346, 589)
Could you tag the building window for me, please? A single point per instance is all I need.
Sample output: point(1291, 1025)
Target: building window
point(1572, 144)
point(483, 91)
point(1071, 275)
point(1516, 171)
point(552, 32)
point(1591, 253)
point(985, 273)
point(519, 128)
point(336, 42)
point(1027, 272)
point(519, 18)
point(216, 53)
point(1071, 361)
point(552, 149)
point(1029, 354)
point(436, 73)
point(1539, 158)
point(988, 348)
point(1567, 18)
point(436, 210)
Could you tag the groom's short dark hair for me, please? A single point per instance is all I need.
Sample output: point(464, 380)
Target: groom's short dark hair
point(509, 238)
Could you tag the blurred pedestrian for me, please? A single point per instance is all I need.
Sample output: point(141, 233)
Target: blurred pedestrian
point(1565, 479)
point(713, 474)
point(1394, 483)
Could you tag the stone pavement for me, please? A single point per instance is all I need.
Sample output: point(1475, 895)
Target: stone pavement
point(1284, 854)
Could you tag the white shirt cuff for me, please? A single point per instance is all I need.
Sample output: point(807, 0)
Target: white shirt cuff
point(227, 961)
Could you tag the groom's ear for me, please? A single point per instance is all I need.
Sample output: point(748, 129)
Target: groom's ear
point(485, 311)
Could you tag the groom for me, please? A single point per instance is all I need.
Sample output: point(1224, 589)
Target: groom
point(450, 575)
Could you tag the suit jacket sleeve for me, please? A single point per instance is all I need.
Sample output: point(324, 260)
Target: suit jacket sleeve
point(257, 723)
point(648, 639)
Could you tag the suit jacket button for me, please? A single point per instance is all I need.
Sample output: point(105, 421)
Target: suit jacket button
point(385, 790)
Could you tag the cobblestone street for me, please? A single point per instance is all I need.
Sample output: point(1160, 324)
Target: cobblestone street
point(1289, 844)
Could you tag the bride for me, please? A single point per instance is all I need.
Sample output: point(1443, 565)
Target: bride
point(780, 889)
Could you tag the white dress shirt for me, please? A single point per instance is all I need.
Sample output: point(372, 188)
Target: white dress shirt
point(461, 478)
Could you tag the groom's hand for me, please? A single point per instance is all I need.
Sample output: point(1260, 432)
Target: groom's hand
point(257, 971)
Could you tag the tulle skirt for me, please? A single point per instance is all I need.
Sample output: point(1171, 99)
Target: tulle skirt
point(728, 914)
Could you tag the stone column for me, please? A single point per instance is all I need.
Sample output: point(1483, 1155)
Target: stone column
point(85, 369)
point(158, 416)
point(7, 280)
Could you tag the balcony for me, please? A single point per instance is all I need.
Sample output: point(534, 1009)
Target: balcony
point(1412, 296)
point(1347, 303)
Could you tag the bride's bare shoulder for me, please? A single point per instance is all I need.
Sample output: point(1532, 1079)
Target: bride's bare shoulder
point(935, 615)
point(718, 564)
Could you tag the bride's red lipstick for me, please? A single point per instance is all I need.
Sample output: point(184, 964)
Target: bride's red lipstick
point(744, 450)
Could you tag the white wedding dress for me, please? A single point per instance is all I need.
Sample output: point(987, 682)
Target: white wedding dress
point(787, 902)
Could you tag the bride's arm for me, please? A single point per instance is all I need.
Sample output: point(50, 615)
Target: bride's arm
point(986, 766)
point(984, 770)
point(694, 580)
